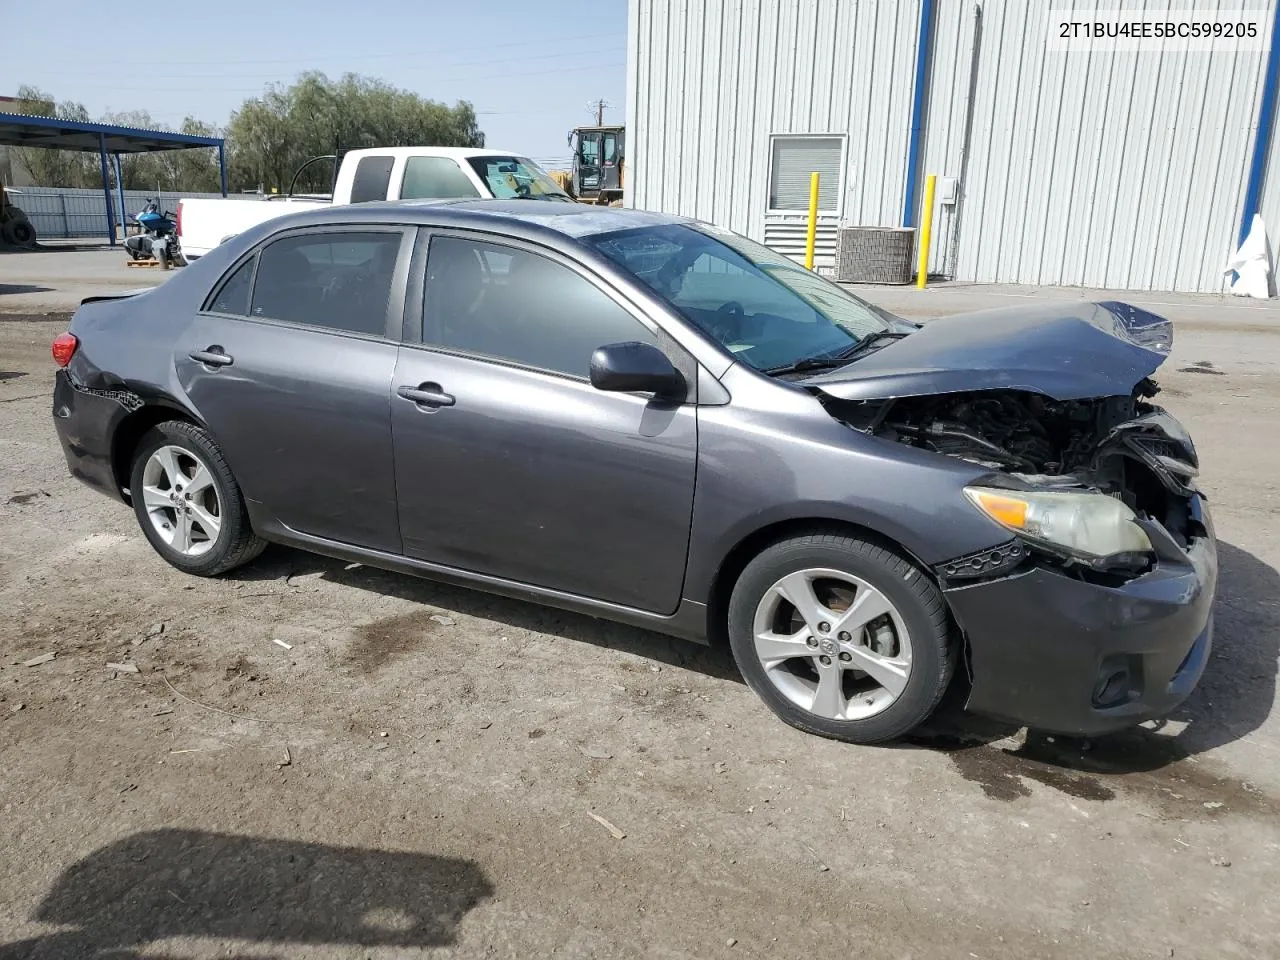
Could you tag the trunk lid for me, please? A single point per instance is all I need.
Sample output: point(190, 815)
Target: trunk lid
point(1067, 351)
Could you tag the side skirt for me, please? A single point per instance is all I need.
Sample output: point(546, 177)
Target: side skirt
point(689, 622)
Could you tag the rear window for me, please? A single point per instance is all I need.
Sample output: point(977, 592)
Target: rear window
point(373, 177)
point(435, 178)
point(340, 281)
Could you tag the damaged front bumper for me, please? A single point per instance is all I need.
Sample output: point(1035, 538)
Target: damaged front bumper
point(1069, 655)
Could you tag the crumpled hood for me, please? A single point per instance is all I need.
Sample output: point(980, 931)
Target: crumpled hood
point(1066, 351)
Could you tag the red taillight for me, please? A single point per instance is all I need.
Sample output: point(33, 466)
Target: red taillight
point(177, 220)
point(64, 348)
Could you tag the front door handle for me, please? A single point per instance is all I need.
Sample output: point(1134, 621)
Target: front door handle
point(215, 356)
point(426, 395)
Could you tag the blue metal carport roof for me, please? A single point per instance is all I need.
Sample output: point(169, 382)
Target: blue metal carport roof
point(104, 139)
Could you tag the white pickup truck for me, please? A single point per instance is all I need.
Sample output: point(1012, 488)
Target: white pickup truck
point(391, 173)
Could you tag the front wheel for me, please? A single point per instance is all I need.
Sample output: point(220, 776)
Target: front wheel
point(841, 637)
point(188, 503)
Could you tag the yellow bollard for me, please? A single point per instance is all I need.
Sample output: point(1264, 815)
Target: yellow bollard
point(926, 231)
point(813, 221)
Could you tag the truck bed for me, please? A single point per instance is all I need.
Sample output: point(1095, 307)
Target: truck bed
point(203, 223)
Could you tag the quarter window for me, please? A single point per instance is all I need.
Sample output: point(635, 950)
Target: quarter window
point(435, 178)
point(506, 303)
point(340, 281)
point(233, 296)
point(373, 177)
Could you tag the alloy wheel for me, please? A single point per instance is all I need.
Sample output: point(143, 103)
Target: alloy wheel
point(832, 644)
point(181, 500)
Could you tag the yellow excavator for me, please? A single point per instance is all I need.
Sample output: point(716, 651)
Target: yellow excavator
point(15, 229)
point(598, 174)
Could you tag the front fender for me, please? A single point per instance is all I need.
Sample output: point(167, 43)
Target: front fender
point(811, 470)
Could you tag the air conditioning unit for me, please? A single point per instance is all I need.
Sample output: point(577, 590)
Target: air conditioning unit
point(875, 254)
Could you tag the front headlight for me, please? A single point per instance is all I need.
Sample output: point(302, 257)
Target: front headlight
point(1090, 525)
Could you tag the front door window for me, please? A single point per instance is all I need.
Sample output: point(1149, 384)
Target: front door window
point(496, 301)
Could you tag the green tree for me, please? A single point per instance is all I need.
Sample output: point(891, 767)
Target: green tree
point(194, 170)
point(172, 171)
point(55, 168)
point(268, 138)
point(169, 170)
point(271, 136)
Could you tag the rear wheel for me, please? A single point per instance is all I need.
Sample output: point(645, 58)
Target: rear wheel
point(841, 637)
point(188, 503)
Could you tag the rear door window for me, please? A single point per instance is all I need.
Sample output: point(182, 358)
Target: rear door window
point(340, 281)
point(373, 177)
point(435, 178)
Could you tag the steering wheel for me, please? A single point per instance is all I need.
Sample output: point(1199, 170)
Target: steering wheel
point(727, 322)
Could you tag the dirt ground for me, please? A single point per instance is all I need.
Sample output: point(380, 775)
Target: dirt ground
point(419, 771)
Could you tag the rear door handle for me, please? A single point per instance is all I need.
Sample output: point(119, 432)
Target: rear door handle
point(215, 356)
point(426, 395)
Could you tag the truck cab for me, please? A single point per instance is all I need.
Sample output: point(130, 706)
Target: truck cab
point(377, 173)
point(440, 173)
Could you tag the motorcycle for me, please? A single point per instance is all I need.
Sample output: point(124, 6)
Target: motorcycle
point(158, 239)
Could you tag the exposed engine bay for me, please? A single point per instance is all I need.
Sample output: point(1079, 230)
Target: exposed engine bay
point(1025, 432)
point(1123, 446)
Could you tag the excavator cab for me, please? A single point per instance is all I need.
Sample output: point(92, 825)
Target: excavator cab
point(598, 154)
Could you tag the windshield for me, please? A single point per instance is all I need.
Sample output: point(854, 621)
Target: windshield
point(766, 309)
point(517, 178)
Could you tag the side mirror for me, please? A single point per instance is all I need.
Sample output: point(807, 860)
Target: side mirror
point(636, 368)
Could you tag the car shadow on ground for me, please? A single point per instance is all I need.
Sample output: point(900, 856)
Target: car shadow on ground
point(1234, 698)
point(189, 883)
point(285, 563)
point(7, 288)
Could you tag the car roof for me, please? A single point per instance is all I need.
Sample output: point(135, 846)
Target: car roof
point(520, 217)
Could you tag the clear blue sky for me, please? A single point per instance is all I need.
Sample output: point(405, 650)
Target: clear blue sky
point(530, 67)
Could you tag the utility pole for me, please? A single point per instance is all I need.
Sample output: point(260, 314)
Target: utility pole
point(598, 106)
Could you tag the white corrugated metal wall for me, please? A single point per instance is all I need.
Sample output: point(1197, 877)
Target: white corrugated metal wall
point(1122, 170)
point(1105, 169)
point(711, 80)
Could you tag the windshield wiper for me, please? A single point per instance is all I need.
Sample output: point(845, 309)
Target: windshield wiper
point(824, 361)
point(828, 361)
point(870, 340)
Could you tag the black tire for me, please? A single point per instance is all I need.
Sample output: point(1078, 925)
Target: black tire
point(20, 233)
point(916, 597)
point(236, 543)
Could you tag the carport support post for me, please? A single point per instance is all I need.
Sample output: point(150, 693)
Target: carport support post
point(222, 166)
point(120, 192)
point(106, 189)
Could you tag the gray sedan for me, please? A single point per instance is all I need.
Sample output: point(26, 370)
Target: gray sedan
point(659, 422)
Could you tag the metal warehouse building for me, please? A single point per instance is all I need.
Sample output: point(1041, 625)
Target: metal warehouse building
point(1106, 169)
